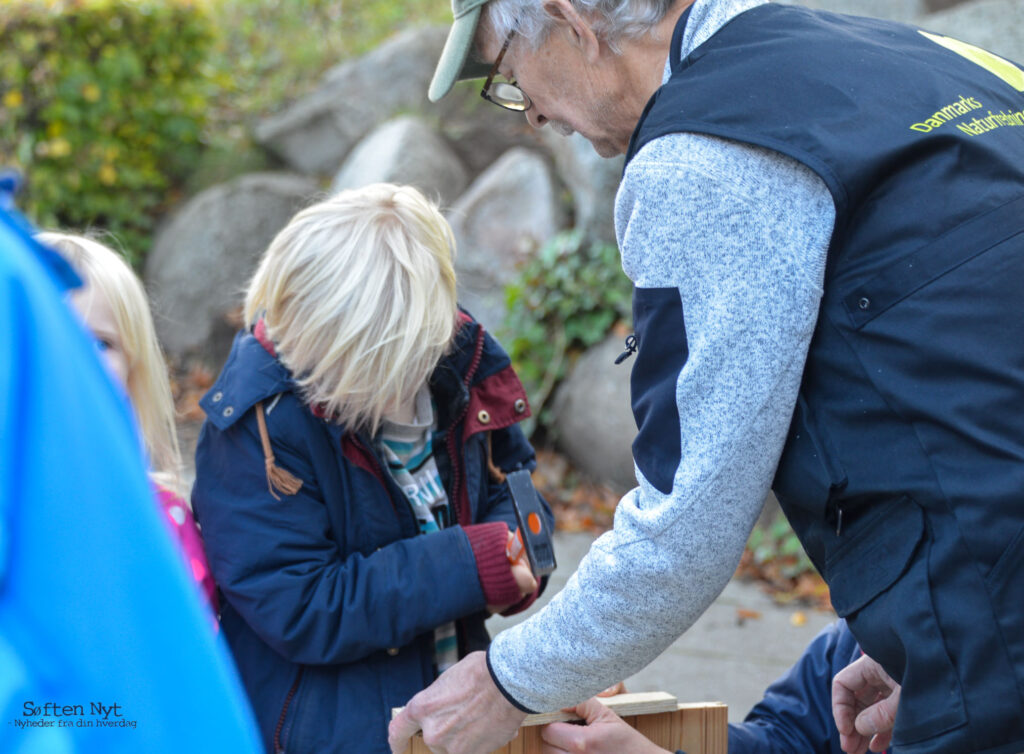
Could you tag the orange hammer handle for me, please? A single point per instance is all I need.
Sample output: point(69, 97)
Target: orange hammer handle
point(514, 550)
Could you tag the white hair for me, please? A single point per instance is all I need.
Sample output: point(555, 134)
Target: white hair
point(612, 20)
point(358, 294)
point(147, 382)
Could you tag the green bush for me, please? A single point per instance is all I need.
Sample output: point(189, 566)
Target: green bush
point(778, 542)
point(102, 107)
point(567, 298)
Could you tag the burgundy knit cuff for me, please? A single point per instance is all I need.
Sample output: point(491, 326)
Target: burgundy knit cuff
point(488, 543)
point(523, 603)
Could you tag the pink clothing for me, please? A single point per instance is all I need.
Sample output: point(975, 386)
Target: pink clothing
point(180, 518)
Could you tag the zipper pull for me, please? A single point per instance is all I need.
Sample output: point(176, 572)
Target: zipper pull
point(839, 520)
point(630, 349)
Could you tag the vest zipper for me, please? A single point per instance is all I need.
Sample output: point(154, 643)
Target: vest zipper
point(278, 748)
point(630, 349)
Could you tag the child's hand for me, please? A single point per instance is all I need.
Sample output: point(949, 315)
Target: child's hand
point(618, 688)
point(520, 566)
point(604, 732)
point(524, 577)
point(520, 572)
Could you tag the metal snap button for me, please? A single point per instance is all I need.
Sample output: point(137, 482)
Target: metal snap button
point(217, 396)
point(864, 303)
point(520, 405)
point(393, 651)
point(484, 417)
point(228, 412)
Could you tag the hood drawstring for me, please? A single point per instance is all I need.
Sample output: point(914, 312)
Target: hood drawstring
point(278, 479)
point(496, 474)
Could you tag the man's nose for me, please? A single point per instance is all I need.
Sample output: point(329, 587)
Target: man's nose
point(535, 118)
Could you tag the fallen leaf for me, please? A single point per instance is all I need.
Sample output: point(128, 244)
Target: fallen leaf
point(743, 615)
point(200, 377)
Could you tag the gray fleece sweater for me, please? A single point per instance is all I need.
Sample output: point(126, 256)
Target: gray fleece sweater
point(742, 232)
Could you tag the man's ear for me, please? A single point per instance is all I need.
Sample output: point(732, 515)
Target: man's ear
point(578, 28)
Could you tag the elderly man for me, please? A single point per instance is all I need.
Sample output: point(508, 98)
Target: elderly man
point(823, 217)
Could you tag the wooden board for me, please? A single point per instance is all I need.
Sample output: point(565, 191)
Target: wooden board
point(701, 729)
point(624, 705)
point(692, 728)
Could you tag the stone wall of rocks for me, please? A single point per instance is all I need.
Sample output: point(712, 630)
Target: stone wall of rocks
point(506, 189)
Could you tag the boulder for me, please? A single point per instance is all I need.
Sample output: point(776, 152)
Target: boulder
point(996, 25)
point(203, 257)
point(593, 420)
point(501, 219)
point(479, 131)
point(314, 134)
point(592, 179)
point(405, 150)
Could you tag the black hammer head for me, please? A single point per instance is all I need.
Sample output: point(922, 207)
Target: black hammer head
point(532, 525)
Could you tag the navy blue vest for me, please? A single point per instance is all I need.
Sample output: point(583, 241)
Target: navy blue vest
point(910, 416)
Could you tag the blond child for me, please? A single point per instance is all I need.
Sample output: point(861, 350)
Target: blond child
point(113, 306)
point(350, 473)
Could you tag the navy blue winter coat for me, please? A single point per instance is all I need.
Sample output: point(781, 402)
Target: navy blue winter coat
point(795, 716)
point(330, 596)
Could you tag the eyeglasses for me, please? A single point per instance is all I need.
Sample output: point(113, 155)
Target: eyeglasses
point(506, 94)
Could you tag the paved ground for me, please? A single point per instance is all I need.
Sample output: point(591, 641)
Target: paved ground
point(720, 658)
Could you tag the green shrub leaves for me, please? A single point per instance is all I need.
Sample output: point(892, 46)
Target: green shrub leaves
point(567, 298)
point(103, 106)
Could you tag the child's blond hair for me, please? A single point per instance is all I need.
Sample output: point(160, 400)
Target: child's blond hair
point(147, 381)
point(358, 295)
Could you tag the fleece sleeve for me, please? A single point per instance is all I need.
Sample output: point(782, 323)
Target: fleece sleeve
point(737, 237)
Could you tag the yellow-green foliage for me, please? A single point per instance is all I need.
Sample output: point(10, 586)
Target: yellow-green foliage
point(101, 107)
point(277, 50)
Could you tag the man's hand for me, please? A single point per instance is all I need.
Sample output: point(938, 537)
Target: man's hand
point(864, 702)
point(604, 733)
point(462, 712)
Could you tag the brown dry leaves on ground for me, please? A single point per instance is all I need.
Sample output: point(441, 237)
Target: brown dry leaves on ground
point(807, 588)
point(578, 504)
point(190, 381)
point(188, 385)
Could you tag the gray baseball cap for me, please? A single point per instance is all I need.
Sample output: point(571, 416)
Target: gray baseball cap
point(456, 62)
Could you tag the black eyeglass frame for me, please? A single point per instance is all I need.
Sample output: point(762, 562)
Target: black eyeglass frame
point(486, 91)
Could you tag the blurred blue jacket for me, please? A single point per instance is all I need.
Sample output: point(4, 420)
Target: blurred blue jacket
point(95, 604)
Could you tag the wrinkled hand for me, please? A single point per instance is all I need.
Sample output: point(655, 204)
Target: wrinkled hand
point(604, 733)
point(462, 712)
point(524, 579)
point(864, 703)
